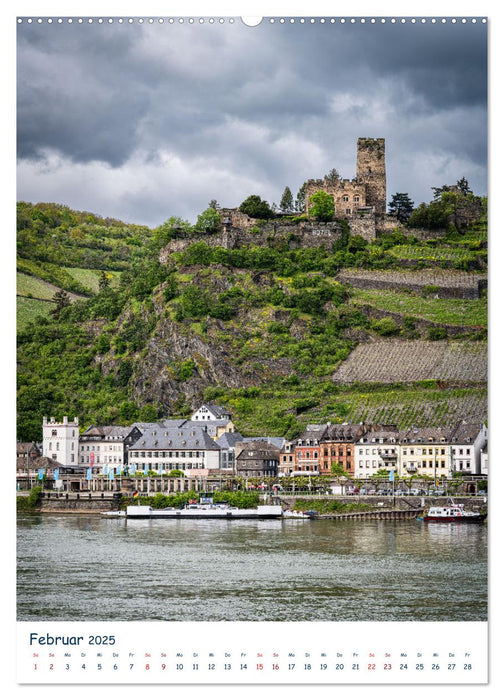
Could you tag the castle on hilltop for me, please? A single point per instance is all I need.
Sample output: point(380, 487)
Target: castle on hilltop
point(366, 193)
point(361, 202)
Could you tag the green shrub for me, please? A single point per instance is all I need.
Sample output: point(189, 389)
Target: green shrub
point(385, 326)
point(437, 333)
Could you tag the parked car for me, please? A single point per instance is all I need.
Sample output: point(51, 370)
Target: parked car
point(481, 493)
point(400, 492)
point(417, 492)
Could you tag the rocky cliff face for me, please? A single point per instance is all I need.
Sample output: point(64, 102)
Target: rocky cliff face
point(159, 379)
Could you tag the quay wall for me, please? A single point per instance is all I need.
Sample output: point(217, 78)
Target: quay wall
point(86, 502)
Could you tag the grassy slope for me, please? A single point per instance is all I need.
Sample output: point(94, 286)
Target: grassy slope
point(458, 312)
point(90, 277)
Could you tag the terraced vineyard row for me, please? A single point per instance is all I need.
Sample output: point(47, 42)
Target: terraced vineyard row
point(447, 411)
point(413, 361)
point(436, 277)
point(407, 408)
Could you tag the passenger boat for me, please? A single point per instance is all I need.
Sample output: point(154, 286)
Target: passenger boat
point(205, 511)
point(452, 513)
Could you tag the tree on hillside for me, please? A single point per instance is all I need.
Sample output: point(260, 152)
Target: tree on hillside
point(287, 202)
point(104, 281)
point(62, 300)
point(332, 176)
point(172, 228)
point(438, 191)
point(463, 186)
point(208, 221)
point(213, 204)
point(322, 207)
point(300, 202)
point(256, 207)
point(401, 206)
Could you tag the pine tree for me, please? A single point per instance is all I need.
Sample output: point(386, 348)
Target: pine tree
point(62, 300)
point(401, 206)
point(300, 203)
point(287, 202)
point(332, 176)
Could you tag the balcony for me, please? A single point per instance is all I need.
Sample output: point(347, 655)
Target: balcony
point(388, 456)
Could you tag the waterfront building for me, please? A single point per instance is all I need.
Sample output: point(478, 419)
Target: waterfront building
point(338, 446)
point(215, 428)
point(426, 452)
point(257, 459)
point(209, 411)
point(227, 444)
point(27, 451)
point(167, 423)
point(287, 456)
point(484, 460)
point(188, 448)
point(467, 441)
point(307, 450)
point(378, 448)
point(60, 441)
point(107, 445)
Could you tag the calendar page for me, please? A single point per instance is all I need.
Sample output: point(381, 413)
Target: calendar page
point(252, 300)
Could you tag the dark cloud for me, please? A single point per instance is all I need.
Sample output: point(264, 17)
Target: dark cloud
point(158, 117)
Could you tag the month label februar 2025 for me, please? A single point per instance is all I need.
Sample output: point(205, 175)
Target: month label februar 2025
point(192, 652)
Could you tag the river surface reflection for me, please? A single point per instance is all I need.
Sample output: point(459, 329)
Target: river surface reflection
point(87, 568)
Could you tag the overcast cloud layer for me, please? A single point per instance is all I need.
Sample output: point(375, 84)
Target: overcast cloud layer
point(143, 122)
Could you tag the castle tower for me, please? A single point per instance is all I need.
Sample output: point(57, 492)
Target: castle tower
point(371, 172)
point(61, 441)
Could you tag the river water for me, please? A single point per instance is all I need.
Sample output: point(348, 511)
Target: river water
point(82, 567)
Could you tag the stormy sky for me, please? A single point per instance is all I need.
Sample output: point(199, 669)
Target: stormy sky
point(146, 121)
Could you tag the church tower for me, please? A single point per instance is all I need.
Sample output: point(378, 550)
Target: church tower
point(371, 172)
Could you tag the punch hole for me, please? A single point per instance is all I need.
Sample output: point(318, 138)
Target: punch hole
point(252, 21)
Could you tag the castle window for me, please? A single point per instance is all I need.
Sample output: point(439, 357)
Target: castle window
point(344, 198)
point(356, 198)
point(348, 211)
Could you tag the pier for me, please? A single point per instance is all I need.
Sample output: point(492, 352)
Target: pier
point(373, 515)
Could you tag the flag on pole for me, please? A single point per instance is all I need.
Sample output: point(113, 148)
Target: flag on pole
point(146, 470)
point(136, 494)
point(105, 469)
point(391, 475)
point(89, 474)
point(56, 475)
point(111, 475)
point(40, 474)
